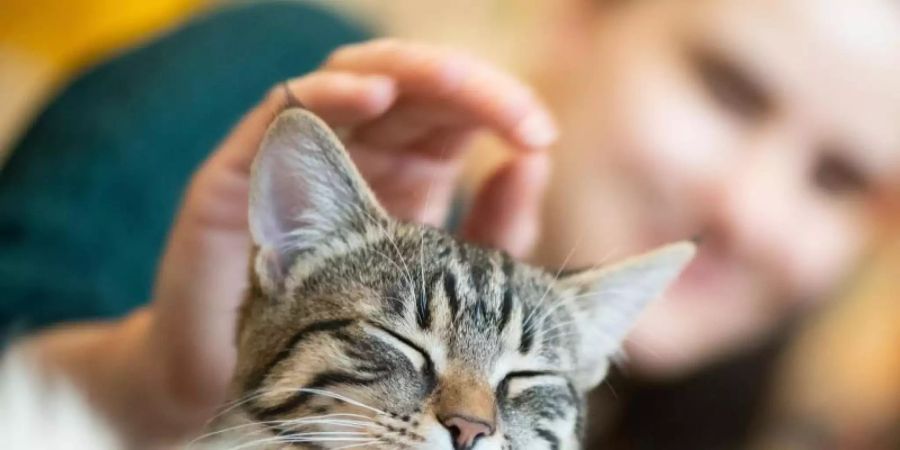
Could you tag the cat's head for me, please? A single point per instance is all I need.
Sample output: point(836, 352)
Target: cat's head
point(364, 332)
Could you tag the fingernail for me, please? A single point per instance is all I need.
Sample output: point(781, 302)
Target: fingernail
point(452, 71)
point(537, 130)
point(383, 86)
point(384, 89)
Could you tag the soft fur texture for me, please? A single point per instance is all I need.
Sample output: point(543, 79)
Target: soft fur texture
point(360, 331)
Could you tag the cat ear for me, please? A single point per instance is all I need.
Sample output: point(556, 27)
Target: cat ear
point(610, 299)
point(303, 189)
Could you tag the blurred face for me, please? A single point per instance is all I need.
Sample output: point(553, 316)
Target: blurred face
point(769, 129)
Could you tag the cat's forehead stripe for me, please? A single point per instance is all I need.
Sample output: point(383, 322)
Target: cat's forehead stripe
point(507, 305)
point(450, 292)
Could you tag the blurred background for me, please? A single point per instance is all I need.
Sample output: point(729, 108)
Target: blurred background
point(835, 380)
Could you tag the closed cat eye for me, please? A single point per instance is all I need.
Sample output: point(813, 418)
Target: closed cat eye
point(531, 374)
point(503, 386)
point(426, 363)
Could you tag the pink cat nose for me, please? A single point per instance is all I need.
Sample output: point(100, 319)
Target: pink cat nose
point(465, 431)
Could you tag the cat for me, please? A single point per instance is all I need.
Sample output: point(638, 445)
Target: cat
point(362, 331)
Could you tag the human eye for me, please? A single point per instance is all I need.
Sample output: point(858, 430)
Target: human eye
point(836, 175)
point(730, 86)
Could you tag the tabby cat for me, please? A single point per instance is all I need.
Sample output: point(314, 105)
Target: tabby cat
point(360, 331)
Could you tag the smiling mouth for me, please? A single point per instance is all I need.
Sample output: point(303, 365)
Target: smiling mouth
point(706, 273)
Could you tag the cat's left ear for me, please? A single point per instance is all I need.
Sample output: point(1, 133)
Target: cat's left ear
point(609, 300)
point(304, 193)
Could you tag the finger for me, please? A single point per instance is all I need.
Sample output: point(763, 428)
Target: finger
point(445, 143)
point(344, 99)
point(405, 124)
point(341, 99)
point(412, 188)
point(414, 127)
point(421, 69)
point(424, 73)
point(506, 212)
point(416, 187)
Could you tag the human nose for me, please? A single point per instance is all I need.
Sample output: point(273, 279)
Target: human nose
point(750, 206)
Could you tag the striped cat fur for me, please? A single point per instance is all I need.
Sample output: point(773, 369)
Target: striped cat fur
point(361, 331)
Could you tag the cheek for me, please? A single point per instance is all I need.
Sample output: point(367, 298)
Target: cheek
point(667, 141)
point(827, 242)
point(668, 133)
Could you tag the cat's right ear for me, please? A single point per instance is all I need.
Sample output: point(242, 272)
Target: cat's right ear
point(609, 300)
point(304, 190)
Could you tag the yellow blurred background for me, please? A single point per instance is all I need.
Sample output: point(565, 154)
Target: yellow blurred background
point(44, 42)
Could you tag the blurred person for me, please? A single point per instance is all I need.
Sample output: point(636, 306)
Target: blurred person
point(768, 129)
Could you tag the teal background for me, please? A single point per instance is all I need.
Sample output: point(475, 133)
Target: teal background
point(89, 192)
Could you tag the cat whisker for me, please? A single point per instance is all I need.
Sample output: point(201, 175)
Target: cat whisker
point(569, 299)
point(293, 423)
point(612, 389)
point(328, 434)
point(406, 272)
point(257, 442)
point(320, 392)
point(392, 261)
point(343, 398)
point(372, 442)
point(337, 423)
point(560, 336)
point(528, 322)
point(559, 331)
point(253, 395)
point(230, 406)
point(558, 326)
point(311, 439)
point(317, 439)
point(559, 304)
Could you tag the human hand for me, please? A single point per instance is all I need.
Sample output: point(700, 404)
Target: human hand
point(405, 112)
